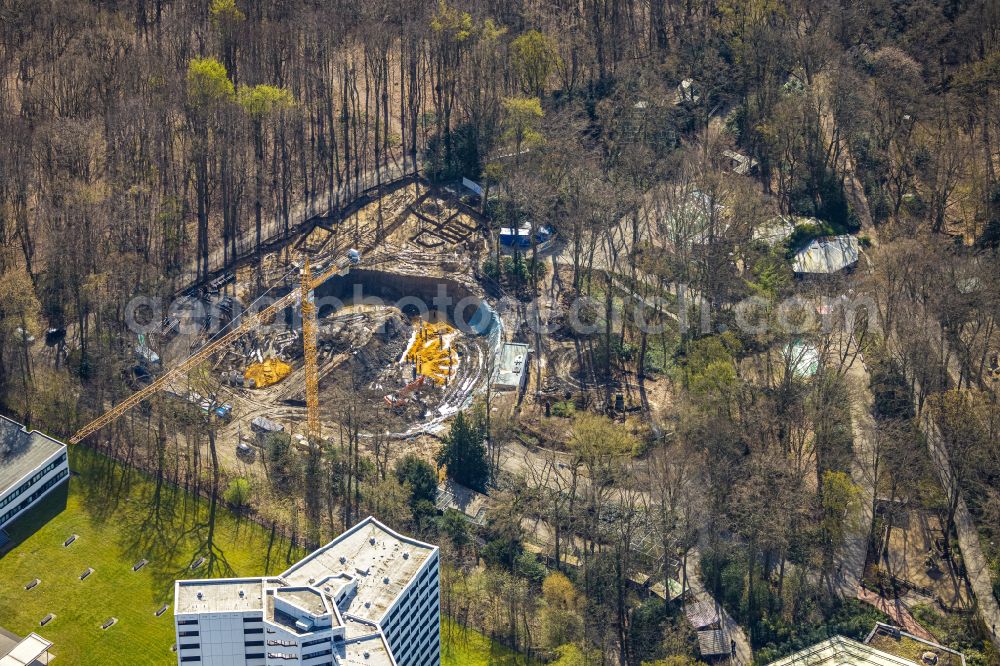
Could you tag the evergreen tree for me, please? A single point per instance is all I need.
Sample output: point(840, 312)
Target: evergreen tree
point(464, 453)
point(417, 474)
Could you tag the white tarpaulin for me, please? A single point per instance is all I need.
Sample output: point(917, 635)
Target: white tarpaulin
point(827, 255)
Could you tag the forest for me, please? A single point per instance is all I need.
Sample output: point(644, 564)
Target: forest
point(150, 146)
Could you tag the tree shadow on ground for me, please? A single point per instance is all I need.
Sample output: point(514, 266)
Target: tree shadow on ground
point(159, 522)
point(105, 484)
point(459, 642)
point(168, 526)
point(172, 537)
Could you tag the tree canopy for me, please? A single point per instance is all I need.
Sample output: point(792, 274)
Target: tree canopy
point(463, 453)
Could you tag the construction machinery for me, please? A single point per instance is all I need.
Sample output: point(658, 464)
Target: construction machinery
point(399, 400)
point(244, 323)
point(266, 373)
point(431, 351)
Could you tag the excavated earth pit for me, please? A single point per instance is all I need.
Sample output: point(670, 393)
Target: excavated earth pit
point(367, 321)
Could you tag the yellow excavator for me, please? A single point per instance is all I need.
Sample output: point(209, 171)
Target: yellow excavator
point(266, 373)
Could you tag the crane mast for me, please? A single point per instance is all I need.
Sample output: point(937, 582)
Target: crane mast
point(243, 324)
point(309, 349)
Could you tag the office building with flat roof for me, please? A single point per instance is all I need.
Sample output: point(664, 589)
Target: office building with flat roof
point(31, 466)
point(368, 598)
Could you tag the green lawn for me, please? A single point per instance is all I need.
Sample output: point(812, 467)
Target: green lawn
point(120, 519)
point(466, 647)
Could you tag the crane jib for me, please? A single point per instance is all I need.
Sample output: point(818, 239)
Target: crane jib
point(248, 322)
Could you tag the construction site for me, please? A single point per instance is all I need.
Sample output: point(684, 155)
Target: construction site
point(395, 328)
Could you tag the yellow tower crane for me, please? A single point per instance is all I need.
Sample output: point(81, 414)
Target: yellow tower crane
point(309, 353)
point(243, 324)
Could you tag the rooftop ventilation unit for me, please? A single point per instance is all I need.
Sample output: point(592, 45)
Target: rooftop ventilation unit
point(343, 560)
point(242, 594)
point(200, 595)
point(372, 541)
point(385, 580)
point(406, 555)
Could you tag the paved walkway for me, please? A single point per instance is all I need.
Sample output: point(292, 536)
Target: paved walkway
point(849, 559)
point(730, 627)
point(976, 566)
point(853, 188)
point(897, 612)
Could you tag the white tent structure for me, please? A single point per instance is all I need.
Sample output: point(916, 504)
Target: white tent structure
point(825, 256)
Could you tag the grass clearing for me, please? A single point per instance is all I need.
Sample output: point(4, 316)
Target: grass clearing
point(121, 518)
point(461, 646)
